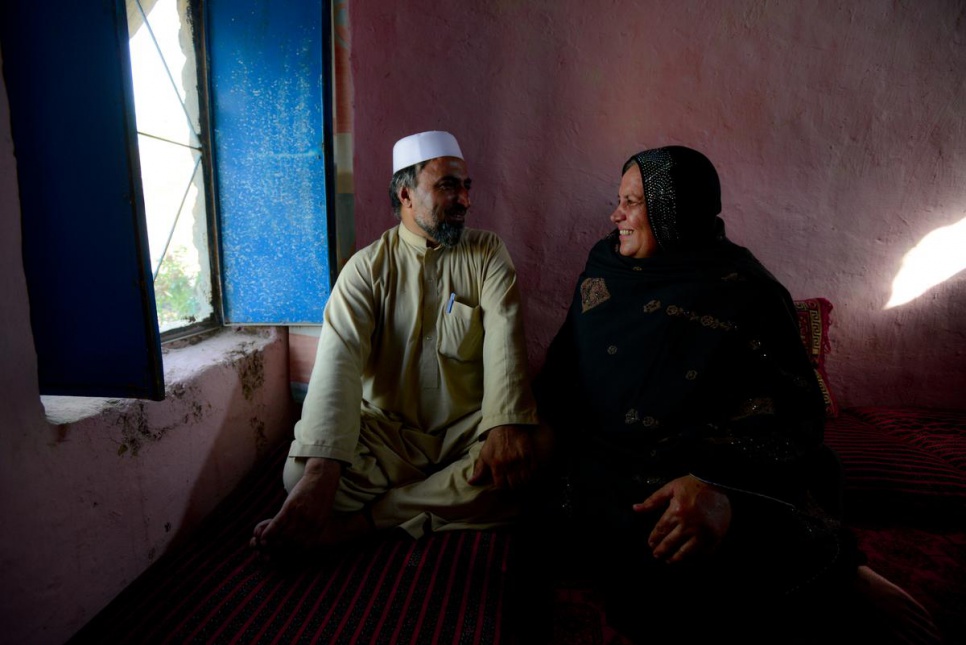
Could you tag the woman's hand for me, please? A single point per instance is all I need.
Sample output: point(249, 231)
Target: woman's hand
point(696, 518)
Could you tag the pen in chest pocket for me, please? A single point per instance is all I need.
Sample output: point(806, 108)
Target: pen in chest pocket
point(449, 303)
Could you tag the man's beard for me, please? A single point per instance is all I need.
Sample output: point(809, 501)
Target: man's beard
point(445, 231)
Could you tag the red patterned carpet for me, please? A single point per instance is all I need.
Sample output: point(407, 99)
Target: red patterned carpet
point(447, 588)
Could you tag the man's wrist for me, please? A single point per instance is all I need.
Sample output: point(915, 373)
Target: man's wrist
point(318, 466)
point(507, 427)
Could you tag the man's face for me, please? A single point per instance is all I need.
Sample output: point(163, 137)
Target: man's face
point(440, 200)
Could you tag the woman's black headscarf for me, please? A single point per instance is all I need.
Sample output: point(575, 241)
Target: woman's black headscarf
point(683, 196)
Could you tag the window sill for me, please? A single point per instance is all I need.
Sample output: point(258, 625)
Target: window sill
point(184, 360)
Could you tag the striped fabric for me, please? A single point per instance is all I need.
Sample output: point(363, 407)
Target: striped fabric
point(939, 432)
point(902, 463)
point(446, 588)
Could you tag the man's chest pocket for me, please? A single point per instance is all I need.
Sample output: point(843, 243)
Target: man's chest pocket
point(461, 333)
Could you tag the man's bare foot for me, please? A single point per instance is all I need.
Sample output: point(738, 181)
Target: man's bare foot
point(301, 522)
point(341, 529)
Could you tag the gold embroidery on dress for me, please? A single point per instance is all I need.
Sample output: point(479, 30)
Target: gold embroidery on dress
point(593, 291)
point(652, 306)
point(632, 416)
point(705, 320)
point(755, 407)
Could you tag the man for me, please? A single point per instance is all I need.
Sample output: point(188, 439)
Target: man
point(418, 413)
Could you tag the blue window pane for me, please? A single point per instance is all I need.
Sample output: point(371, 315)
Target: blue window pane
point(268, 65)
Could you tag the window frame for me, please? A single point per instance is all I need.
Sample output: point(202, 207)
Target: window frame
point(198, 19)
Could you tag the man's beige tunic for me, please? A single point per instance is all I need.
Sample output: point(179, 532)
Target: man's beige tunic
point(422, 351)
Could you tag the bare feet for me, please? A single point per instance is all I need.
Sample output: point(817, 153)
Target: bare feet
point(301, 522)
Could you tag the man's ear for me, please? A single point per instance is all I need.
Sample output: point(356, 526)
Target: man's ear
point(404, 196)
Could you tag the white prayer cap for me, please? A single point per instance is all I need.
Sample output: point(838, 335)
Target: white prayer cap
point(423, 147)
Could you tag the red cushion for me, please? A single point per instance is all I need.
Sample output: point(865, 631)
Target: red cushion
point(813, 325)
point(905, 464)
point(939, 432)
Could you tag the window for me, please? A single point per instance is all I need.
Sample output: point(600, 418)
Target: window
point(174, 160)
point(87, 261)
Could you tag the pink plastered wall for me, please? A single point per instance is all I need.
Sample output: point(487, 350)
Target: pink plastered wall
point(837, 128)
point(93, 492)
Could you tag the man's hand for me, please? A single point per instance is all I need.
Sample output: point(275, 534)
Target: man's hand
point(695, 520)
point(305, 514)
point(507, 458)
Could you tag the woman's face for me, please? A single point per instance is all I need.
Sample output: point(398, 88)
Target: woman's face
point(636, 237)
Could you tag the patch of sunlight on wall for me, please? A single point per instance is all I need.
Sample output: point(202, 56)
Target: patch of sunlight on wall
point(940, 255)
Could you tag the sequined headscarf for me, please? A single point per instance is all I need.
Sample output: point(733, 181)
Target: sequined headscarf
point(683, 197)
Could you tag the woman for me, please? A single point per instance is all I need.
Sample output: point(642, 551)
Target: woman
point(690, 428)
